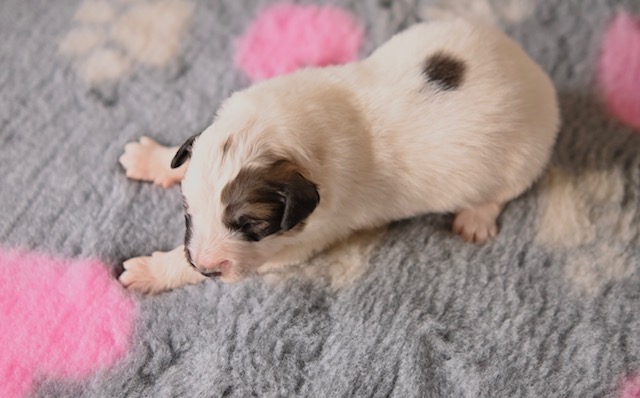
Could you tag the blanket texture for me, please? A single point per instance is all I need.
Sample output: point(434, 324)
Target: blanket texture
point(550, 308)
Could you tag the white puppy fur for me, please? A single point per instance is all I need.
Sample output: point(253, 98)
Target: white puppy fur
point(447, 116)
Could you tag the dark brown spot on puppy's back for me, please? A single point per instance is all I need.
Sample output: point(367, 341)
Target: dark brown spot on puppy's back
point(444, 70)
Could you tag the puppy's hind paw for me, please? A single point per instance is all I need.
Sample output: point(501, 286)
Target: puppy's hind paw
point(477, 225)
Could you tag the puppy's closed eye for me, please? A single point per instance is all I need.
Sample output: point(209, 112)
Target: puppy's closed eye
point(255, 229)
point(258, 227)
point(254, 221)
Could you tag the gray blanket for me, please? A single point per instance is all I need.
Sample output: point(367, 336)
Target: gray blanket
point(550, 308)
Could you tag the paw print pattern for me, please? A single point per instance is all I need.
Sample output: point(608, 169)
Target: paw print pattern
point(619, 68)
point(112, 37)
point(286, 37)
point(575, 210)
point(60, 319)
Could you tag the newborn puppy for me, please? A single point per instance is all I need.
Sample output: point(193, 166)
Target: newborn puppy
point(447, 116)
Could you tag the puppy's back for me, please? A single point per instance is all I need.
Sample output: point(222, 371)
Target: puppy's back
point(461, 112)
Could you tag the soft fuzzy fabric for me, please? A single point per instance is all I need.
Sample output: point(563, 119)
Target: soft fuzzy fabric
point(286, 37)
point(620, 68)
point(631, 387)
point(58, 319)
point(547, 309)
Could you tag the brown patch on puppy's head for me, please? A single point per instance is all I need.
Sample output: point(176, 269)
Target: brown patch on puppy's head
point(262, 201)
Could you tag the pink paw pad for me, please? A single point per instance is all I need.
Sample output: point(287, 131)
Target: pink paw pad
point(58, 319)
point(619, 68)
point(286, 37)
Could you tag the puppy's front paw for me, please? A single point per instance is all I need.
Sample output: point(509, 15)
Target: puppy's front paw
point(139, 276)
point(476, 225)
point(149, 161)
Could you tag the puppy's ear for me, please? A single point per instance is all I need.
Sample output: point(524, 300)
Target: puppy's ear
point(301, 197)
point(184, 153)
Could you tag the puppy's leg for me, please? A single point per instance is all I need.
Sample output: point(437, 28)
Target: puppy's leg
point(478, 224)
point(149, 161)
point(160, 272)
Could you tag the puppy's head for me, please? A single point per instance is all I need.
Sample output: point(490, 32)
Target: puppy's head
point(240, 212)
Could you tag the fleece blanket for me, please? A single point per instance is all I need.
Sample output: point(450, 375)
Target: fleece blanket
point(550, 308)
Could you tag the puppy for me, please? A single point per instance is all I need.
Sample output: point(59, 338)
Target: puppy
point(447, 116)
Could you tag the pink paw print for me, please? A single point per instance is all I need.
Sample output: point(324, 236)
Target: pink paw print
point(630, 387)
point(619, 72)
point(59, 319)
point(286, 37)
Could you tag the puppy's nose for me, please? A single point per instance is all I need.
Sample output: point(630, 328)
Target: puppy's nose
point(214, 268)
